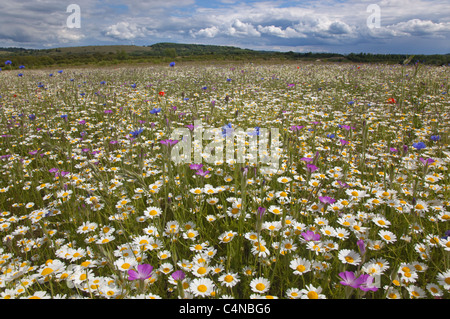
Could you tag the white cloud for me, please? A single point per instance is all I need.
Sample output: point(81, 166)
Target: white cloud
point(125, 31)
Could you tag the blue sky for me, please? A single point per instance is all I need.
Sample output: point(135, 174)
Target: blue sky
point(340, 26)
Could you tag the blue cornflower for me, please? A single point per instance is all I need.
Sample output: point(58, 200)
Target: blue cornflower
point(137, 132)
point(8, 62)
point(227, 130)
point(435, 138)
point(331, 135)
point(419, 145)
point(22, 67)
point(155, 111)
point(103, 82)
point(172, 64)
point(31, 116)
point(255, 132)
point(64, 116)
point(133, 86)
point(351, 102)
point(60, 71)
point(20, 74)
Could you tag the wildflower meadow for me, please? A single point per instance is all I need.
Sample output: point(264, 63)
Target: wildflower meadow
point(225, 180)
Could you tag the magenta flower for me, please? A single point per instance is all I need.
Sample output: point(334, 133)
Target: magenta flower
point(195, 166)
point(311, 167)
point(367, 283)
point(306, 159)
point(344, 142)
point(143, 272)
point(361, 246)
point(426, 161)
point(326, 200)
point(201, 172)
point(261, 211)
point(349, 279)
point(178, 275)
point(169, 142)
point(310, 236)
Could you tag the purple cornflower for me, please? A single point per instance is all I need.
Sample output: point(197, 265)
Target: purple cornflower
point(143, 272)
point(326, 200)
point(310, 236)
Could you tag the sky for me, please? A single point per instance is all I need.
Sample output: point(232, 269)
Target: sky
point(337, 26)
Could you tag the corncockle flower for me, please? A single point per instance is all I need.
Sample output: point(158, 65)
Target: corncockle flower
point(393, 150)
point(195, 166)
point(261, 211)
point(169, 142)
point(344, 142)
point(347, 127)
point(419, 145)
point(350, 280)
point(201, 172)
point(361, 246)
point(310, 236)
point(311, 167)
point(82, 122)
point(108, 111)
point(178, 275)
point(190, 127)
point(367, 284)
point(326, 200)
point(343, 184)
point(143, 272)
point(426, 161)
point(53, 170)
point(33, 152)
point(307, 159)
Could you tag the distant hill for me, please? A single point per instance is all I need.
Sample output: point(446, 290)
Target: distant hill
point(165, 52)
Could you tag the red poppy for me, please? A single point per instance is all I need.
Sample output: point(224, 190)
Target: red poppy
point(162, 93)
point(391, 101)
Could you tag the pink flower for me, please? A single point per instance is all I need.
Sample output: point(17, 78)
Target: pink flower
point(143, 272)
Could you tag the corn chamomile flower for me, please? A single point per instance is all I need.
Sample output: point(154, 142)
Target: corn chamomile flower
point(229, 279)
point(260, 285)
point(201, 287)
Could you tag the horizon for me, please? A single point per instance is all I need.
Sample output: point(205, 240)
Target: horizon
point(332, 26)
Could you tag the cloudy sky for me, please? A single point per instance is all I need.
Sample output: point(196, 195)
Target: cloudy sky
point(341, 26)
